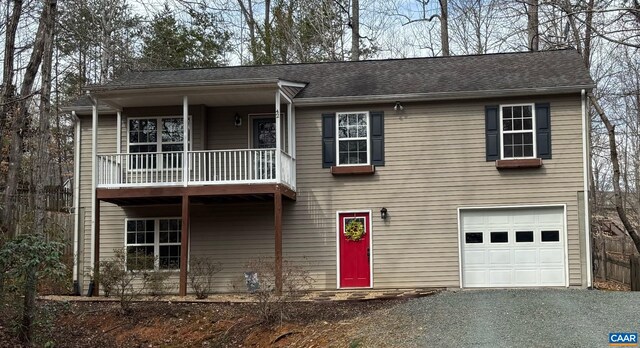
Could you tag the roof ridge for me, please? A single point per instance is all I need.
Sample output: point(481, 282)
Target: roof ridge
point(359, 61)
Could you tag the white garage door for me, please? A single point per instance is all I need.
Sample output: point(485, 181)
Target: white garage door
point(513, 247)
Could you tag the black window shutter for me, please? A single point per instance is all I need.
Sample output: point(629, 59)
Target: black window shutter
point(492, 132)
point(377, 137)
point(328, 140)
point(543, 130)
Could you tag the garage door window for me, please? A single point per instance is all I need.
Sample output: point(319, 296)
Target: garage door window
point(473, 237)
point(499, 237)
point(550, 236)
point(524, 236)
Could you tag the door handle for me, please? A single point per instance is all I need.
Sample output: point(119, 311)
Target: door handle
point(368, 255)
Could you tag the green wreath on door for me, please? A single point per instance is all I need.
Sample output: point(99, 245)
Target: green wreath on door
point(354, 231)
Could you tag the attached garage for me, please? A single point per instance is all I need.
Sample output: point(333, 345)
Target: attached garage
point(514, 247)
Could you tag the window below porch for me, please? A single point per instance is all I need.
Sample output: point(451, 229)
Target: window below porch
point(153, 243)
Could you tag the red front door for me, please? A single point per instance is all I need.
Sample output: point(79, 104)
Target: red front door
point(355, 270)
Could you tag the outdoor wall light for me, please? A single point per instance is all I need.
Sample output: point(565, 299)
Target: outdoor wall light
point(383, 213)
point(238, 120)
point(398, 107)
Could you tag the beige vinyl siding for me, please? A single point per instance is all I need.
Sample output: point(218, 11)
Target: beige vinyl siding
point(224, 135)
point(232, 234)
point(111, 216)
point(435, 164)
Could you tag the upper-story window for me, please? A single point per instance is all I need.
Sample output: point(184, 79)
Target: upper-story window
point(153, 135)
point(353, 138)
point(518, 131)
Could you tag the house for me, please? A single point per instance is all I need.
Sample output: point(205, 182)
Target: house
point(457, 172)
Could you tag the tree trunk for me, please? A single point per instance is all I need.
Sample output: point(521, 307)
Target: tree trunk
point(355, 30)
point(268, 49)
point(29, 304)
point(44, 134)
point(533, 41)
point(615, 163)
point(20, 120)
point(247, 13)
point(8, 88)
point(444, 27)
point(586, 54)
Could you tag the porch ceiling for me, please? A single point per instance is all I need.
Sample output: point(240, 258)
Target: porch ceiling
point(228, 96)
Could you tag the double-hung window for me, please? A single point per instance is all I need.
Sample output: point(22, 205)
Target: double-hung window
point(518, 131)
point(156, 142)
point(353, 138)
point(153, 243)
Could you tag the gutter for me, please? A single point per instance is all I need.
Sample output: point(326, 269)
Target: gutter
point(436, 96)
point(76, 205)
point(271, 82)
point(586, 163)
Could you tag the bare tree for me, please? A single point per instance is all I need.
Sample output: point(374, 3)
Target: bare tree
point(8, 88)
point(354, 23)
point(533, 41)
point(44, 134)
point(20, 119)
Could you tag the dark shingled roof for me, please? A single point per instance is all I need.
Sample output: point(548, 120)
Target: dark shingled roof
point(491, 72)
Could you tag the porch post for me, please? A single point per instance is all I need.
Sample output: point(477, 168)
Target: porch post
point(185, 138)
point(277, 197)
point(278, 135)
point(118, 133)
point(184, 245)
point(289, 126)
point(96, 247)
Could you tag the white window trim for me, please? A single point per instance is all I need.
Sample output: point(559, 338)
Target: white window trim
point(156, 242)
point(253, 116)
point(533, 131)
point(159, 143)
point(368, 138)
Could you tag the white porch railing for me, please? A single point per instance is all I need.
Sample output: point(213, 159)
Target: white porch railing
point(208, 167)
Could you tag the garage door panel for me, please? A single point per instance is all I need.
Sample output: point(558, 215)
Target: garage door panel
point(500, 257)
point(476, 278)
point(523, 218)
point(477, 257)
point(551, 277)
point(526, 277)
point(500, 277)
point(551, 257)
point(549, 217)
point(529, 257)
point(525, 257)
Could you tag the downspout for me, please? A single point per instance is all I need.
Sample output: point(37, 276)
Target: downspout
point(76, 206)
point(585, 164)
point(94, 153)
point(278, 135)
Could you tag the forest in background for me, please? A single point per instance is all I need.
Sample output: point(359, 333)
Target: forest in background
point(52, 49)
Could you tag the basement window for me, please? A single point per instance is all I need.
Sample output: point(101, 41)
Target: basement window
point(153, 243)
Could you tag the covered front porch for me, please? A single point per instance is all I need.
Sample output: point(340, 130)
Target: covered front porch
point(200, 155)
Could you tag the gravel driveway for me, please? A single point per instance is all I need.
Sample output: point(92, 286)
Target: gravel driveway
point(507, 318)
